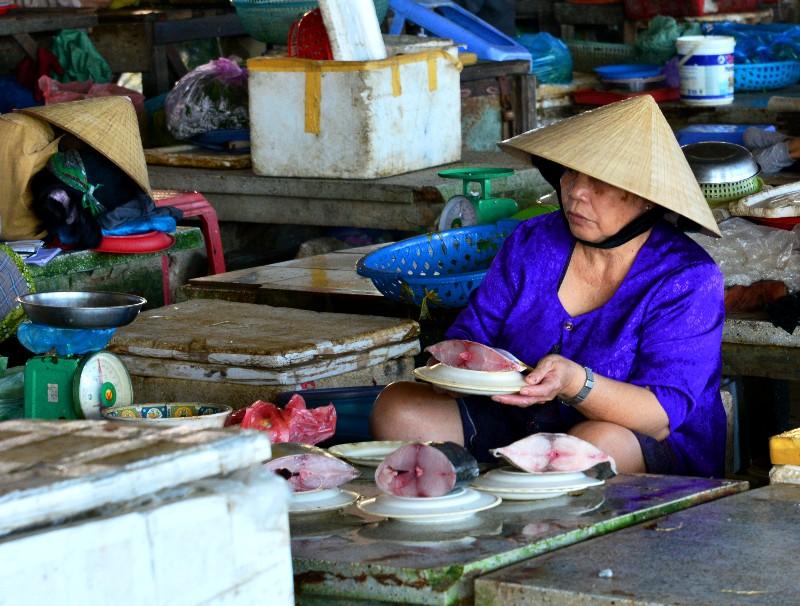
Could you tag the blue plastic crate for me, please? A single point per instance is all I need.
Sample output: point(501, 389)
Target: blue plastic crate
point(441, 268)
point(765, 76)
point(353, 406)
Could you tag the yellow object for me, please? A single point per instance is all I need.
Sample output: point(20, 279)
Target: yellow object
point(468, 58)
point(784, 449)
point(108, 124)
point(26, 145)
point(628, 144)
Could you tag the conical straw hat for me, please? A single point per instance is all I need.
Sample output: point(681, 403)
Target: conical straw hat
point(628, 144)
point(108, 124)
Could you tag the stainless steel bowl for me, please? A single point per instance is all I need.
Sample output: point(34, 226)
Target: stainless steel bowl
point(82, 309)
point(720, 162)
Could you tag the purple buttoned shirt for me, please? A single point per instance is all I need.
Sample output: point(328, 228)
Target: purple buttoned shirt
point(662, 328)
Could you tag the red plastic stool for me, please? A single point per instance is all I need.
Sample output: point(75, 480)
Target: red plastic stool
point(193, 204)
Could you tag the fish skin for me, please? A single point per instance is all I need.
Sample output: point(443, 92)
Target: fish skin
point(308, 467)
point(425, 470)
point(557, 452)
point(472, 355)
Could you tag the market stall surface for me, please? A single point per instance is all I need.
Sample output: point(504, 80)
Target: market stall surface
point(736, 550)
point(350, 557)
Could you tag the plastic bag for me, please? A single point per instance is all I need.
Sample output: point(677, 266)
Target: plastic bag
point(748, 253)
point(294, 423)
point(761, 43)
point(551, 60)
point(656, 44)
point(58, 92)
point(211, 97)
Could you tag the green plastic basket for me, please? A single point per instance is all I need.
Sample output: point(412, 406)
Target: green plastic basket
point(586, 54)
point(718, 194)
point(269, 20)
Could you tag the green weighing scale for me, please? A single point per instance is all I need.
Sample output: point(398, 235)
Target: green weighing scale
point(476, 205)
point(72, 377)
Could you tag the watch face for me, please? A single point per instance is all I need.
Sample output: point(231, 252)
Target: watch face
point(102, 381)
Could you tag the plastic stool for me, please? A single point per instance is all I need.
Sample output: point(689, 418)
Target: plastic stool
point(193, 204)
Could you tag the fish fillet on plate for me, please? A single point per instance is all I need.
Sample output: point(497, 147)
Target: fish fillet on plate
point(426, 470)
point(557, 453)
point(471, 355)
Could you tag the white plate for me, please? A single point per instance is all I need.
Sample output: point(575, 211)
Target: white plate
point(318, 501)
point(370, 454)
point(472, 382)
point(518, 485)
point(457, 505)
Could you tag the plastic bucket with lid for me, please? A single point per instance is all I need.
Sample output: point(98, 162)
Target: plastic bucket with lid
point(705, 65)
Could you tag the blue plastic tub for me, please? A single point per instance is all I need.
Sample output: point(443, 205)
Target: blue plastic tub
point(728, 133)
point(353, 406)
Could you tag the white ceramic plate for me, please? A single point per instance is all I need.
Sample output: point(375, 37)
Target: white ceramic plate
point(369, 454)
point(318, 501)
point(457, 505)
point(521, 486)
point(472, 382)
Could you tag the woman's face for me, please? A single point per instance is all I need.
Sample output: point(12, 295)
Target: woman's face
point(596, 210)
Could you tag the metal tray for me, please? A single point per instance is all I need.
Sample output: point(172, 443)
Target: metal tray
point(82, 309)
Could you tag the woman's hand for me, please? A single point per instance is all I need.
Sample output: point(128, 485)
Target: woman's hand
point(554, 376)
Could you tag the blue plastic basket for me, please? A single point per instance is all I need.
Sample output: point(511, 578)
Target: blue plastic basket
point(269, 20)
point(441, 268)
point(765, 76)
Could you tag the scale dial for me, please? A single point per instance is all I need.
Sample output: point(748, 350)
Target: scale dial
point(459, 211)
point(101, 381)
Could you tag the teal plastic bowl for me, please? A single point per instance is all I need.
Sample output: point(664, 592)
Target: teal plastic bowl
point(269, 20)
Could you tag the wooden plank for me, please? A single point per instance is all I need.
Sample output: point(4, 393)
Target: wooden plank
point(241, 334)
point(195, 157)
point(197, 28)
point(589, 14)
point(44, 20)
point(761, 361)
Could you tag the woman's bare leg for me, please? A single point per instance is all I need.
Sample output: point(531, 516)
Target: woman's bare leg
point(614, 440)
point(414, 411)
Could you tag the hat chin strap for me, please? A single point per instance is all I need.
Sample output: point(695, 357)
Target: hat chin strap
point(637, 227)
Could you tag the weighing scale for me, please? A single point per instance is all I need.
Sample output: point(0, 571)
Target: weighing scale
point(72, 377)
point(476, 205)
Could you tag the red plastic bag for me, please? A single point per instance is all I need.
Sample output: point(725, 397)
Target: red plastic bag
point(58, 92)
point(295, 423)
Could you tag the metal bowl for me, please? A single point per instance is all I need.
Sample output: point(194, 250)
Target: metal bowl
point(720, 162)
point(82, 309)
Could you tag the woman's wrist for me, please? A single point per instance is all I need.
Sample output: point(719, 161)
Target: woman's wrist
point(575, 384)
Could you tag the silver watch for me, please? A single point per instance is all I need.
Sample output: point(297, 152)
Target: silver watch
point(584, 392)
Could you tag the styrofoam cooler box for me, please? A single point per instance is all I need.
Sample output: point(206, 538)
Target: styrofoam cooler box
point(140, 516)
point(354, 119)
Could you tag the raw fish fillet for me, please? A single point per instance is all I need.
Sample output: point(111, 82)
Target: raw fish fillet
point(474, 356)
point(425, 470)
point(307, 467)
point(543, 452)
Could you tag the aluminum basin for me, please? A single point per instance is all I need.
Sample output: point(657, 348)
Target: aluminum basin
point(81, 309)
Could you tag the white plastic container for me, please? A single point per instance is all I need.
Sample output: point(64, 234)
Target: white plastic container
point(358, 120)
point(706, 69)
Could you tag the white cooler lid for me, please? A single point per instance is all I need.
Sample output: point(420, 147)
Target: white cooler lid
point(52, 470)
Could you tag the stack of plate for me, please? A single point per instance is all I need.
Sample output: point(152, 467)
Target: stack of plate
point(515, 485)
point(320, 501)
point(457, 505)
point(474, 382)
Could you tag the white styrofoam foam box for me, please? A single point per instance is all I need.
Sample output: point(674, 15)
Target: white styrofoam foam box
point(354, 119)
point(226, 542)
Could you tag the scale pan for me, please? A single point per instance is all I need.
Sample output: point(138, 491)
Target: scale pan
point(82, 309)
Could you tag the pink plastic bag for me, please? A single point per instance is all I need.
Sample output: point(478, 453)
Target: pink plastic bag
point(59, 92)
point(294, 423)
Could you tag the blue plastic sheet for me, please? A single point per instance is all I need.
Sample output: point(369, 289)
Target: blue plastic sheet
point(763, 43)
point(552, 61)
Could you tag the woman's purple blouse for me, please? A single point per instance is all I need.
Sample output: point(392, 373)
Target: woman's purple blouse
point(662, 329)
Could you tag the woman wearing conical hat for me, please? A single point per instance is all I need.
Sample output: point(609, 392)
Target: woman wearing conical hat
point(619, 312)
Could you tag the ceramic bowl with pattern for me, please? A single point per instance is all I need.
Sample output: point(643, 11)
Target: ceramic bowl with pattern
point(200, 416)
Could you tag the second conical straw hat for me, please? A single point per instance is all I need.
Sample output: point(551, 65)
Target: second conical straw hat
point(108, 124)
point(628, 144)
